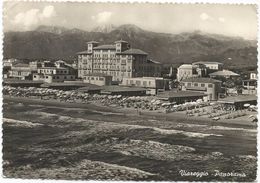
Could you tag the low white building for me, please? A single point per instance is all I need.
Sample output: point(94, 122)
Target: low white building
point(20, 71)
point(152, 84)
point(211, 66)
point(53, 74)
point(210, 87)
point(98, 79)
point(191, 71)
point(253, 75)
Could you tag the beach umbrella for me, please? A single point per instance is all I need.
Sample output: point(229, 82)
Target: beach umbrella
point(251, 116)
point(199, 101)
point(158, 102)
point(152, 101)
point(246, 105)
point(166, 104)
point(212, 103)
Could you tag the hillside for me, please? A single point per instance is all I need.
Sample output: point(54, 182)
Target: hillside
point(61, 43)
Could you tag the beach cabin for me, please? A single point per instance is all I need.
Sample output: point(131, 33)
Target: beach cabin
point(238, 102)
point(180, 97)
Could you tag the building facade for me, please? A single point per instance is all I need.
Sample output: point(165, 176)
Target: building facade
point(20, 71)
point(211, 66)
point(152, 84)
point(208, 86)
point(117, 60)
point(249, 87)
point(253, 75)
point(53, 72)
point(98, 79)
point(191, 71)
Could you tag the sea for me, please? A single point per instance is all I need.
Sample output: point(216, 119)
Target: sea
point(85, 143)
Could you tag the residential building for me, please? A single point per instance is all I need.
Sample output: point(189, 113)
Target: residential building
point(249, 86)
point(98, 79)
point(253, 75)
point(152, 84)
point(35, 65)
point(191, 71)
point(208, 86)
point(211, 66)
point(117, 60)
point(53, 72)
point(20, 71)
point(10, 62)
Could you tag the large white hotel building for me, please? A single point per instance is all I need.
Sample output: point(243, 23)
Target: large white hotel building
point(117, 60)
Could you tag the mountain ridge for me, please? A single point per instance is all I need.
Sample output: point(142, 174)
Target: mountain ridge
point(50, 42)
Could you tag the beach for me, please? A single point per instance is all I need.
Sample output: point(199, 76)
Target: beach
point(50, 139)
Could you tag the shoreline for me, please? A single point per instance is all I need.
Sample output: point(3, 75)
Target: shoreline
point(130, 111)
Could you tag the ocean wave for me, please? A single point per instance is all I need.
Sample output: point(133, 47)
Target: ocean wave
point(247, 157)
point(36, 105)
point(148, 149)
point(231, 128)
point(171, 131)
point(107, 113)
point(190, 125)
point(14, 122)
point(120, 167)
point(64, 118)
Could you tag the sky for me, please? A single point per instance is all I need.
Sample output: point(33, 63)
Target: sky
point(230, 20)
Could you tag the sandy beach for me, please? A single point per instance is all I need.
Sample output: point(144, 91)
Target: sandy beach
point(244, 121)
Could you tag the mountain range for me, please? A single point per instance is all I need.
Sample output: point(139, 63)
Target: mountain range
point(52, 42)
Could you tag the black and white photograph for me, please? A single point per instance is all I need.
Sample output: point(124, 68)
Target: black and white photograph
point(129, 91)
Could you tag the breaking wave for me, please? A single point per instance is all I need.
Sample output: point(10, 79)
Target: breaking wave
point(14, 122)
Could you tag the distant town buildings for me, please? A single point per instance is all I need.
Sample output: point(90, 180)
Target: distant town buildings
point(117, 60)
point(9, 62)
point(118, 69)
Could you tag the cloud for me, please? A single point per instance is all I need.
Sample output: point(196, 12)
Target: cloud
point(48, 12)
point(27, 18)
point(205, 17)
point(221, 19)
point(102, 17)
point(33, 17)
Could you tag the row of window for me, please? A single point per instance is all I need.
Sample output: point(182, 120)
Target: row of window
point(111, 73)
point(200, 85)
point(138, 83)
point(51, 71)
point(94, 78)
point(55, 77)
